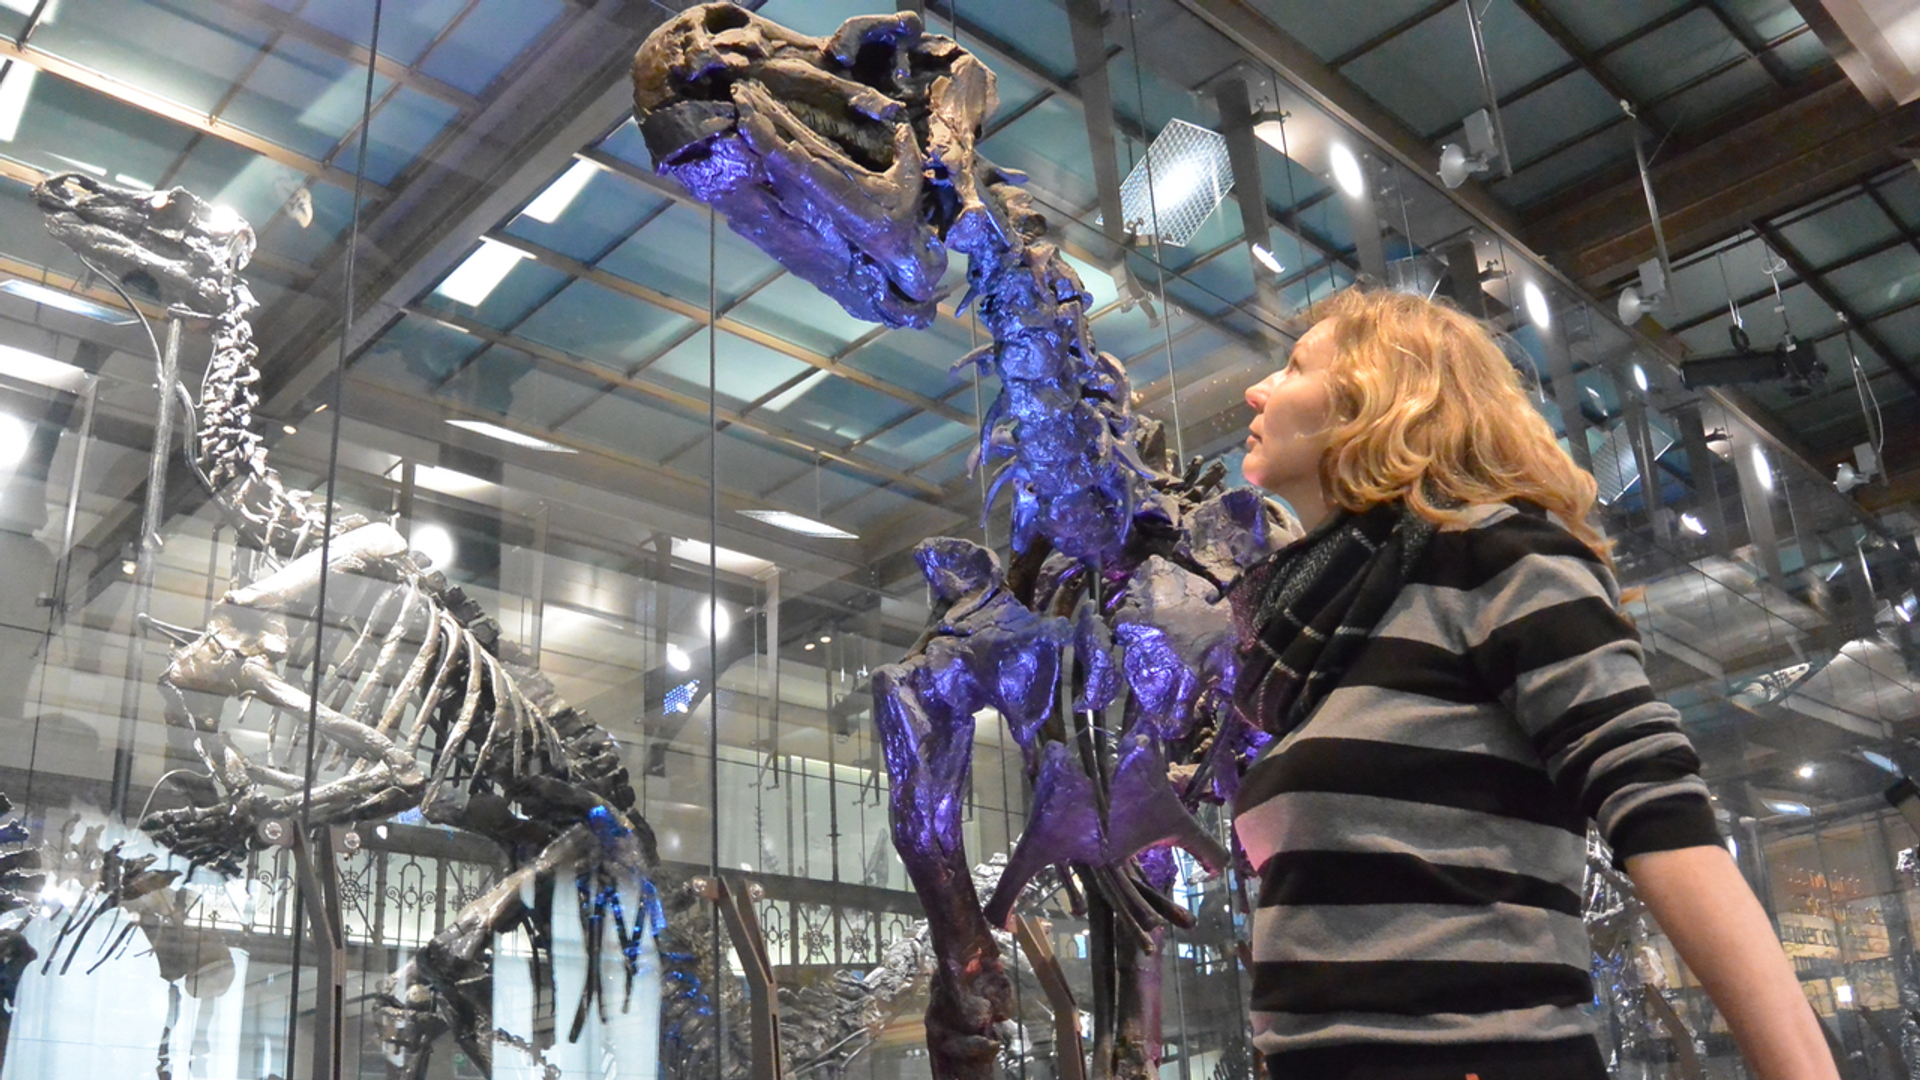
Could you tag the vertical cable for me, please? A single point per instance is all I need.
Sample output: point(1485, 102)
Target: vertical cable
point(326, 534)
point(1159, 257)
point(713, 601)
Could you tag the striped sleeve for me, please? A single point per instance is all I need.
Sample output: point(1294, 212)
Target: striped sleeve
point(1543, 627)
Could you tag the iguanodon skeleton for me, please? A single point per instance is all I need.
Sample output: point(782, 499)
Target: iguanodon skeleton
point(426, 707)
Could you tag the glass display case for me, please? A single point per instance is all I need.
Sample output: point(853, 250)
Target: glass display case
point(678, 487)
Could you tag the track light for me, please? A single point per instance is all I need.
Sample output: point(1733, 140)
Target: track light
point(1482, 149)
point(1637, 301)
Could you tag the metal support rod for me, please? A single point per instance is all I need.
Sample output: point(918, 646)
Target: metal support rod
point(735, 905)
point(1487, 93)
point(320, 888)
point(147, 555)
point(1087, 25)
point(1646, 186)
point(1236, 126)
point(63, 571)
point(1566, 393)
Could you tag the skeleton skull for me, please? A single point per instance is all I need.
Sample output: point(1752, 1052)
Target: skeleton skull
point(169, 244)
point(848, 159)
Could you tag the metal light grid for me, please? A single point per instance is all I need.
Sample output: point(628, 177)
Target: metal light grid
point(1184, 176)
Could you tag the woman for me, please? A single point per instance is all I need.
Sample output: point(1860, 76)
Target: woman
point(1457, 695)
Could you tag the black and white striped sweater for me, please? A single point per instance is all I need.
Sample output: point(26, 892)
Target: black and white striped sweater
point(1421, 837)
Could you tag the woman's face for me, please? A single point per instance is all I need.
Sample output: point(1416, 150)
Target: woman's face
point(1289, 434)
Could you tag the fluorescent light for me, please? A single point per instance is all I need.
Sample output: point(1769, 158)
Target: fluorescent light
point(25, 7)
point(793, 393)
point(132, 181)
point(1761, 469)
point(1843, 993)
point(14, 88)
point(452, 482)
point(15, 437)
point(1692, 525)
point(781, 519)
point(508, 435)
point(1782, 806)
point(44, 370)
point(677, 658)
point(1880, 761)
point(1346, 170)
point(483, 271)
point(65, 301)
point(733, 562)
point(560, 194)
point(434, 542)
point(1266, 258)
point(1537, 308)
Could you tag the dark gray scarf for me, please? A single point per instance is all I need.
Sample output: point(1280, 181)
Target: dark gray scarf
point(1304, 613)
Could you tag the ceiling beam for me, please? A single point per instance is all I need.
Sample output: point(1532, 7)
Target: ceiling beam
point(1815, 144)
point(155, 105)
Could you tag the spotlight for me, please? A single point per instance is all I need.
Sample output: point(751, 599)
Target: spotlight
point(1346, 171)
point(1806, 771)
point(1267, 260)
point(1456, 164)
point(1538, 309)
point(1845, 479)
point(435, 543)
point(677, 658)
point(1692, 524)
point(1638, 300)
point(1640, 377)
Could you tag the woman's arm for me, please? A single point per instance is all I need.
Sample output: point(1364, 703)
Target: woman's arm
point(1700, 900)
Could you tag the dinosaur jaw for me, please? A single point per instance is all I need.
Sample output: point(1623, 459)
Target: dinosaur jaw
point(170, 244)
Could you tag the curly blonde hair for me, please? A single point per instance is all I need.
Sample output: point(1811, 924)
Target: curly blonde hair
point(1426, 408)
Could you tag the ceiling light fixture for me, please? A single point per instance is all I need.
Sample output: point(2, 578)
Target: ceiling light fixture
point(1806, 771)
point(805, 526)
point(677, 658)
point(1640, 377)
point(476, 278)
point(16, 82)
point(54, 298)
point(560, 194)
point(1538, 309)
point(1636, 301)
point(715, 620)
point(435, 543)
point(1174, 189)
point(1483, 147)
point(508, 435)
point(1267, 260)
point(42, 370)
point(1692, 524)
point(1346, 170)
point(1762, 469)
point(16, 436)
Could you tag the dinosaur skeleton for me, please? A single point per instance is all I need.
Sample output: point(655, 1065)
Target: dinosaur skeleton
point(428, 708)
point(851, 161)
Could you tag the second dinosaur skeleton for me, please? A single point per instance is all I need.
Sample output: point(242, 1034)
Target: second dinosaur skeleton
point(427, 707)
